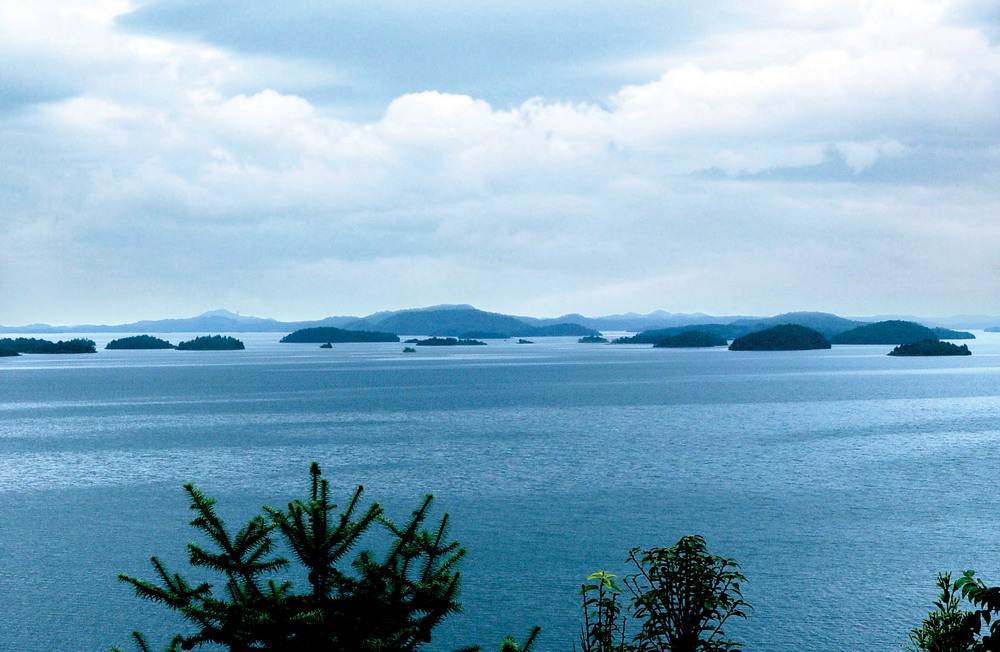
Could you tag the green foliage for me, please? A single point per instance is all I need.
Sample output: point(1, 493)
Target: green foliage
point(681, 597)
point(211, 343)
point(388, 603)
point(986, 599)
point(603, 622)
point(947, 628)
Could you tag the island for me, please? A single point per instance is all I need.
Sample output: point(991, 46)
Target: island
point(7, 353)
point(893, 331)
point(690, 340)
point(138, 342)
point(592, 339)
point(331, 334)
point(211, 343)
point(409, 349)
point(32, 345)
point(448, 341)
point(930, 347)
point(328, 345)
point(785, 337)
point(483, 335)
point(523, 341)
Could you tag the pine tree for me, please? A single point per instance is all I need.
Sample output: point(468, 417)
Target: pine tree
point(385, 604)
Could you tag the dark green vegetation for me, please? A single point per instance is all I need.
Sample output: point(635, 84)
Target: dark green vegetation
point(525, 342)
point(592, 339)
point(387, 602)
point(690, 339)
point(139, 342)
point(328, 345)
point(211, 343)
point(32, 345)
point(680, 598)
point(895, 332)
point(324, 334)
point(7, 353)
point(930, 348)
point(950, 629)
point(409, 349)
point(448, 341)
point(786, 337)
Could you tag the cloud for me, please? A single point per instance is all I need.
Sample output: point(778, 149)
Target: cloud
point(794, 151)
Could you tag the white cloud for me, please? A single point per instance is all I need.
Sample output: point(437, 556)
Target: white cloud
point(592, 203)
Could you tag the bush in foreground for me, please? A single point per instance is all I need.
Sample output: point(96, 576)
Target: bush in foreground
point(681, 597)
point(385, 604)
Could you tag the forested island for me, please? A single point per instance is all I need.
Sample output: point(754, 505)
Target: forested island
point(7, 353)
point(896, 331)
point(930, 348)
point(592, 339)
point(786, 337)
point(138, 342)
point(690, 340)
point(448, 341)
point(330, 334)
point(211, 343)
point(33, 345)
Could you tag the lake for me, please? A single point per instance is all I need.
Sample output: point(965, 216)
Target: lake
point(842, 480)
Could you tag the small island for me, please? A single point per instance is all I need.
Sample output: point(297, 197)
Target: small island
point(930, 347)
point(522, 341)
point(690, 340)
point(592, 339)
point(328, 345)
point(138, 342)
point(329, 334)
point(33, 345)
point(483, 335)
point(409, 349)
point(786, 337)
point(211, 343)
point(448, 341)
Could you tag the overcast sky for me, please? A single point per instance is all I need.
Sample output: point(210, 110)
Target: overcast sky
point(307, 158)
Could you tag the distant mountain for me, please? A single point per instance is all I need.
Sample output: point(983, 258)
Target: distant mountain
point(635, 322)
point(454, 321)
point(824, 322)
point(214, 321)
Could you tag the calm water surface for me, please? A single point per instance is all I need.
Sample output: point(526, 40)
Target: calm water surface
point(842, 480)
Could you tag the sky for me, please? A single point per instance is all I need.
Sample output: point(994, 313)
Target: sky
point(162, 158)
